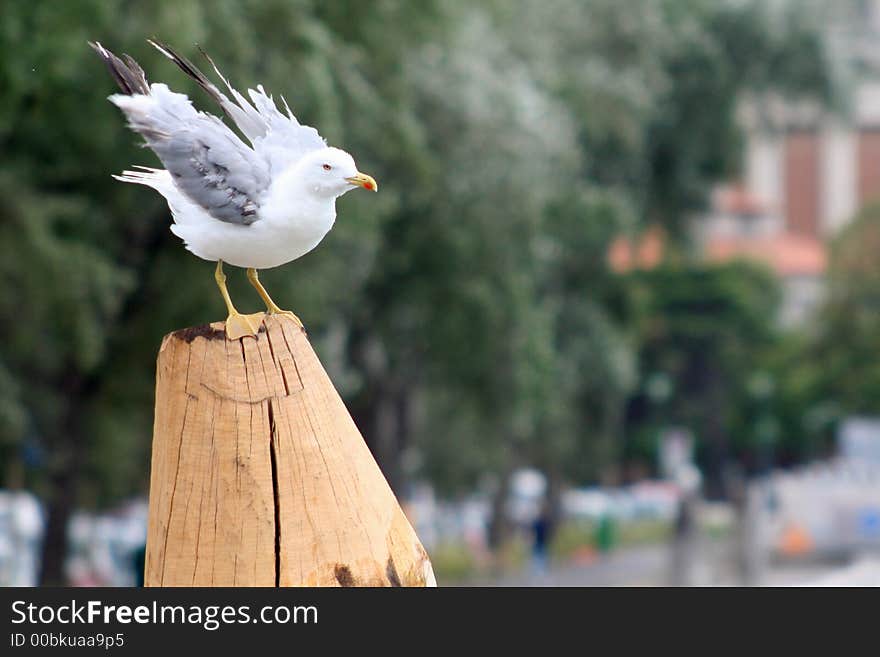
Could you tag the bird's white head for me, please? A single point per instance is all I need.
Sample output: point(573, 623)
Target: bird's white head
point(331, 172)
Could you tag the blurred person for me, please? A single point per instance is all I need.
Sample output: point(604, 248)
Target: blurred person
point(542, 529)
point(139, 562)
point(685, 533)
point(22, 532)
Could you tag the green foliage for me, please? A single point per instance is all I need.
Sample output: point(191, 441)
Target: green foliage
point(849, 337)
point(452, 562)
point(465, 312)
point(831, 371)
point(716, 53)
point(702, 329)
point(579, 535)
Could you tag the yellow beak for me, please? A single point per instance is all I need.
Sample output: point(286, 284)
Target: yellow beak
point(365, 181)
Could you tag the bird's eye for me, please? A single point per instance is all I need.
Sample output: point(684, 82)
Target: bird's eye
point(327, 167)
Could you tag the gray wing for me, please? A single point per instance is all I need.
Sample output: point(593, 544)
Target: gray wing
point(279, 139)
point(205, 158)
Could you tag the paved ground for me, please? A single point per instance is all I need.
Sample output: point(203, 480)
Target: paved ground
point(651, 566)
point(862, 571)
point(644, 566)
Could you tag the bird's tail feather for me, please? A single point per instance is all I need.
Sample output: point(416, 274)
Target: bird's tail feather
point(125, 70)
point(155, 178)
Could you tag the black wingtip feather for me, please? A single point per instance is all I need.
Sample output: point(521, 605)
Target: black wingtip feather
point(127, 72)
point(189, 68)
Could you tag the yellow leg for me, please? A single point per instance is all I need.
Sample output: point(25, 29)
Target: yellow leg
point(237, 325)
point(271, 308)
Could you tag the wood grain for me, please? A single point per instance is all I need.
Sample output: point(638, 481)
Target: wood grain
point(260, 476)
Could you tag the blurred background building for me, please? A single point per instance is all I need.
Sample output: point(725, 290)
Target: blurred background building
point(807, 170)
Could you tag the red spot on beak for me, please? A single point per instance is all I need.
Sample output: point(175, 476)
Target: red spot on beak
point(368, 185)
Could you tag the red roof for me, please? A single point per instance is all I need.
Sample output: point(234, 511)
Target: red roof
point(736, 199)
point(788, 254)
point(645, 252)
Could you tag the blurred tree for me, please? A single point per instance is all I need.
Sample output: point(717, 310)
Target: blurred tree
point(704, 328)
point(715, 54)
point(831, 371)
point(653, 96)
point(804, 407)
point(655, 92)
point(828, 369)
point(93, 277)
point(465, 312)
point(847, 339)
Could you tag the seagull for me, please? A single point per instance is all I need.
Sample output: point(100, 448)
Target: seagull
point(253, 206)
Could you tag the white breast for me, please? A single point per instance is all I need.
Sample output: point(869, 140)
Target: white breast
point(264, 244)
point(284, 231)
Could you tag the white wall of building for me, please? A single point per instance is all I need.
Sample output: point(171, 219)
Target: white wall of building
point(764, 170)
point(839, 197)
point(867, 104)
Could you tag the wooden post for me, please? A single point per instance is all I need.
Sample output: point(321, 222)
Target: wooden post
point(260, 476)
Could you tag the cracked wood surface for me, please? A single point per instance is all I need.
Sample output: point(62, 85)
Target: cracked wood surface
point(259, 475)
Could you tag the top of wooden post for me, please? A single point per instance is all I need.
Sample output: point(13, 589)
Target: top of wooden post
point(260, 476)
